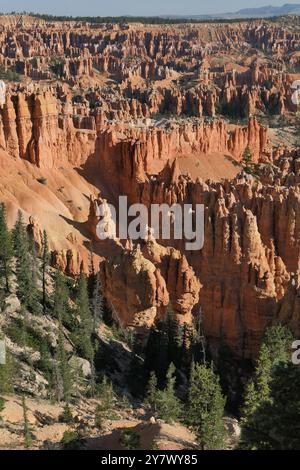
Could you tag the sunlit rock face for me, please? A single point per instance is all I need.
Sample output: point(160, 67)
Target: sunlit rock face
point(160, 114)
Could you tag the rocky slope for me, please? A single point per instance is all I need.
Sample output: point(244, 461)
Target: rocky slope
point(156, 113)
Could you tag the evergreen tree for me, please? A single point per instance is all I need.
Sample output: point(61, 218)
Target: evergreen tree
point(258, 389)
point(275, 423)
point(27, 289)
point(105, 410)
point(84, 337)
point(99, 418)
point(275, 350)
point(97, 306)
point(86, 328)
point(199, 340)
point(152, 392)
point(168, 405)
point(278, 339)
point(205, 408)
point(107, 394)
point(62, 370)
point(6, 249)
point(45, 266)
point(7, 371)
point(66, 416)
point(61, 299)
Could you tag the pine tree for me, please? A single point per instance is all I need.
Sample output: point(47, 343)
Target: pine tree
point(63, 370)
point(168, 405)
point(84, 338)
point(258, 390)
point(86, 328)
point(66, 416)
point(251, 402)
point(263, 373)
point(205, 408)
point(199, 340)
point(27, 289)
point(97, 300)
point(247, 163)
point(45, 265)
point(105, 410)
point(278, 340)
point(275, 350)
point(152, 392)
point(61, 298)
point(99, 418)
point(6, 249)
point(275, 424)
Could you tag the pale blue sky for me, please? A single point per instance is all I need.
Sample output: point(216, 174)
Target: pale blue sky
point(133, 7)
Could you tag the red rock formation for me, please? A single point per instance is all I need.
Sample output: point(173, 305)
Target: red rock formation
point(145, 111)
point(140, 284)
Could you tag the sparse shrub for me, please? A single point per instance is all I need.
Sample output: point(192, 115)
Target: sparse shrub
point(10, 75)
point(99, 417)
point(130, 439)
point(2, 404)
point(69, 437)
point(66, 416)
point(57, 66)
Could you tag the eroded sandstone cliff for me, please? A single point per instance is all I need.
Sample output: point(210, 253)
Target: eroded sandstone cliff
point(161, 115)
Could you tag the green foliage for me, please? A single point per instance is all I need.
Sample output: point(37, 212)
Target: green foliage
point(85, 329)
point(130, 439)
point(10, 74)
point(66, 416)
point(25, 268)
point(169, 407)
point(99, 417)
point(63, 378)
point(7, 372)
point(2, 404)
point(6, 250)
point(69, 437)
point(97, 299)
point(246, 164)
point(107, 396)
point(140, 19)
point(57, 66)
point(276, 348)
point(61, 298)
point(152, 392)
point(24, 335)
point(105, 410)
point(275, 424)
point(205, 408)
point(278, 339)
point(274, 353)
point(45, 266)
